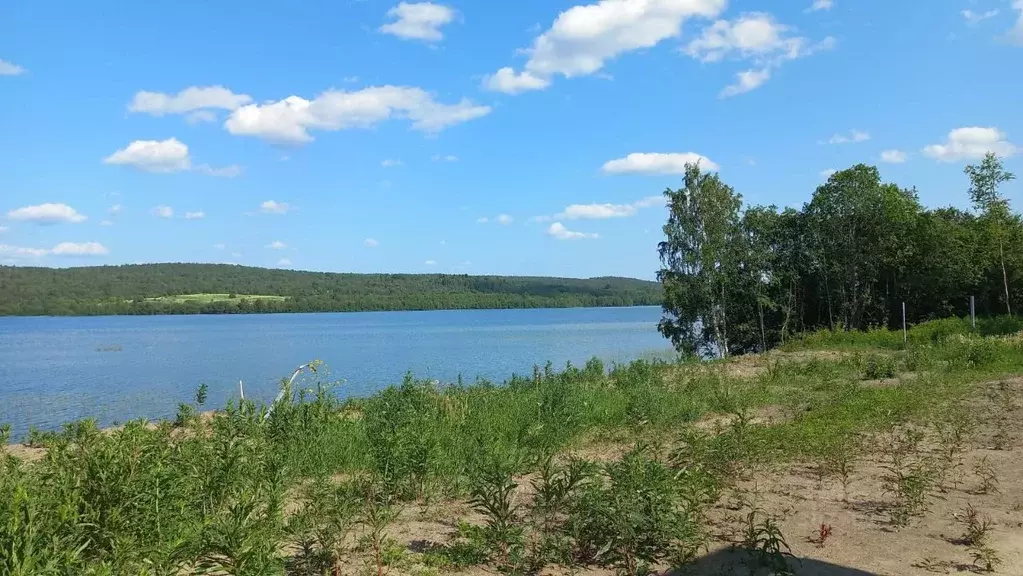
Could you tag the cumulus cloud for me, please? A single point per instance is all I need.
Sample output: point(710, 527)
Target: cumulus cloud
point(274, 207)
point(971, 143)
point(755, 37)
point(558, 230)
point(62, 249)
point(391, 162)
point(606, 210)
point(163, 211)
point(657, 163)
point(853, 137)
point(819, 5)
point(504, 219)
point(972, 17)
point(48, 213)
point(79, 249)
point(894, 156)
point(370, 243)
point(191, 99)
point(170, 155)
point(444, 158)
point(276, 245)
point(1016, 34)
point(430, 263)
point(584, 38)
point(290, 120)
point(745, 81)
point(115, 209)
point(418, 21)
point(10, 68)
point(195, 215)
point(826, 173)
point(284, 262)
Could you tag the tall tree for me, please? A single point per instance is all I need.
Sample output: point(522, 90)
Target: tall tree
point(985, 180)
point(699, 262)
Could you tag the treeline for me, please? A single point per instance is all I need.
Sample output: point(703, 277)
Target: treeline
point(740, 279)
point(131, 289)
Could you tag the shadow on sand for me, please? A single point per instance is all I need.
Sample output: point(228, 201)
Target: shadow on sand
point(736, 563)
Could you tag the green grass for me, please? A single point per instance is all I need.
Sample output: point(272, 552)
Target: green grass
point(206, 298)
point(248, 493)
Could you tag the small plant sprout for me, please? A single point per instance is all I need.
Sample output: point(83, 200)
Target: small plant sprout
point(821, 534)
point(987, 475)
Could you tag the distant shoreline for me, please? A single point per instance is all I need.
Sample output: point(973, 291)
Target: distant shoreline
point(285, 312)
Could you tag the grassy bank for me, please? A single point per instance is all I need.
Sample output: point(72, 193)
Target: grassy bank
point(585, 468)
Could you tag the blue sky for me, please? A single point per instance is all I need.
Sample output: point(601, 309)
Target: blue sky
point(523, 137)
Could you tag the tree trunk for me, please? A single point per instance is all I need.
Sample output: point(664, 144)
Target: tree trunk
point(1005, 277)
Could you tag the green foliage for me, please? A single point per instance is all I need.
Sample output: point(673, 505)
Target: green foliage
point(634, 514)
point(207, 289)
point(909, 474)
point(740, 279)
point(879, 366)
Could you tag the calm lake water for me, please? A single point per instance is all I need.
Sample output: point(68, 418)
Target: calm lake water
point(115, 368)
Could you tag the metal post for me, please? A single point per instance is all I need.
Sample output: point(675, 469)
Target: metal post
point(973, 313)
point(241, 390)
point(905, 335)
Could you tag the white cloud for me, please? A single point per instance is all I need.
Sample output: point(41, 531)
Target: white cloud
point(170, 155)
point(370, 243)
point(284, 262)
point(21, 252)
point(290, 120)
point(1016, 34)
point(418, 21)
point(3, 229)
point(757, 37)
point(854, 136)
point(558, 230)
point(191, 99)
point(826, 173)
point(163, 211)
point(79, 249)
point(745, 81)
point(274, 207)
point(894, 156)
point(971, 143)
point(236, 254)
point(446, 158)
point(106, 223)
point(606, 210)
point(10, 68)
point(510, 82)
point(276, 245)
point(229, 171)
point(657, 163)
point(482, 220)
point(972, 17)
point(391, 162)
point(821, 5)
point(430, 263)
point(195, 215)
point(584, 38)
point(115, 209)
point(504, 219)
point(220, 246)
point(48, 213)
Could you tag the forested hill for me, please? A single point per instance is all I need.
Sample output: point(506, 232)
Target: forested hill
point(222, 288)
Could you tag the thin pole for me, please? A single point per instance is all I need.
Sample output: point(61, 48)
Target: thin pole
point(241, 390)
point(905, 335)
point(973, 313)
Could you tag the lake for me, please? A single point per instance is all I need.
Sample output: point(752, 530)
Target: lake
point(116, 368)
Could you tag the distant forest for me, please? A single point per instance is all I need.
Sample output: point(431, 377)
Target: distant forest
point(150, 288)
